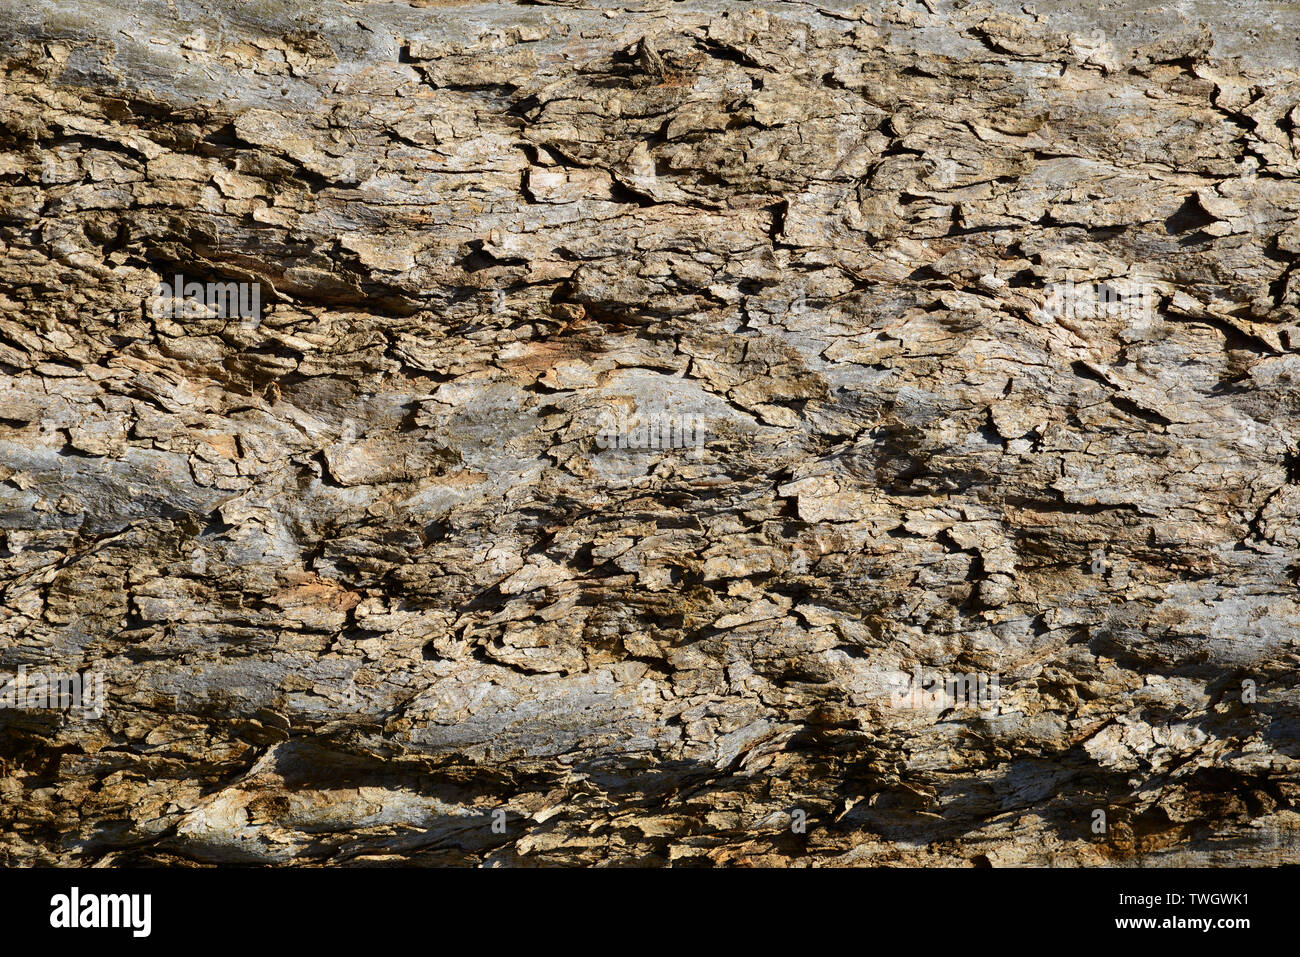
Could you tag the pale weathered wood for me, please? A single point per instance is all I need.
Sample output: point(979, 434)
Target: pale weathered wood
point(367, 566)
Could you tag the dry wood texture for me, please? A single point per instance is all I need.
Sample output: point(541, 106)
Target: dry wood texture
point(621, 404)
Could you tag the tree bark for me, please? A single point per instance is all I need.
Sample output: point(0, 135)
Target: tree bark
point(790, 434)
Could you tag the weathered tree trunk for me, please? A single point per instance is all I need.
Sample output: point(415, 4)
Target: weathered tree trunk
point(626, 412)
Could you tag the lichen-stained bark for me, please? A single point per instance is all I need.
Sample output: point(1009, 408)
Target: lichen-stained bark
point(360, 571)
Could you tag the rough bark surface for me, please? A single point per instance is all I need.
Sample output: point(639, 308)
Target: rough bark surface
point(357, 573)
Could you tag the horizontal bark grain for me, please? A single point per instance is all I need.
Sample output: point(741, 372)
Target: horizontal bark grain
point(987, 320)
